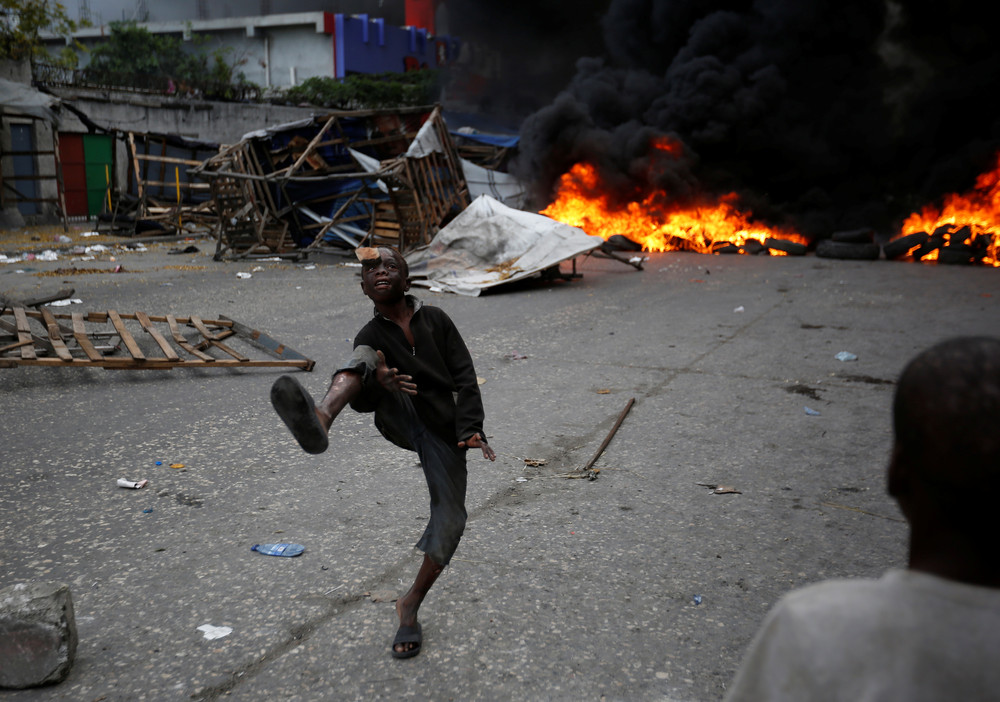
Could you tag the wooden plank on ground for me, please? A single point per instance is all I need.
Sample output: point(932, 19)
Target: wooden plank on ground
point(126, 336)
point(183, 343)
point(168, 350)
point(211, 338)
point(54, 336)
point(80, 334)
point(15, 345)
point(24, 333)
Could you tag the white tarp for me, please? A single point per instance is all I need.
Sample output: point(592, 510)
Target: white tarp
point(501, 186)
point(489, 244)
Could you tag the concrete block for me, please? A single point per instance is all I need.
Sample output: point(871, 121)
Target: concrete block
point(37, 634)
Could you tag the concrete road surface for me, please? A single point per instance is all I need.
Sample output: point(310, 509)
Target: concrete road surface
point(643, 584)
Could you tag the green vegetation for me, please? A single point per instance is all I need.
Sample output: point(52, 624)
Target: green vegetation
point(368, 91)
point(133, 56)
point(21, 21)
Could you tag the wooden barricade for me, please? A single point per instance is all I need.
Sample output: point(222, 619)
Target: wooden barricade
point(135, 341)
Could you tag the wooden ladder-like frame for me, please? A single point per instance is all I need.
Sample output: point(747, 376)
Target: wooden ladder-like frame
point(110, 339)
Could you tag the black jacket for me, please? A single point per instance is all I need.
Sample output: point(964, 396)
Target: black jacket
point(447, 399)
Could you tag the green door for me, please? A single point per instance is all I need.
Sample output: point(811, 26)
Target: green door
point(97, 160)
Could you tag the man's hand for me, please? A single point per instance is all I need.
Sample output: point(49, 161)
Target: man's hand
point(477, 441)
point(391, 379)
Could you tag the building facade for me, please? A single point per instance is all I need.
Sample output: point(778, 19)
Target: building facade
point(282, 50)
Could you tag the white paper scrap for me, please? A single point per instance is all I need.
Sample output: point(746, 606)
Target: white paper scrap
point(215, 632)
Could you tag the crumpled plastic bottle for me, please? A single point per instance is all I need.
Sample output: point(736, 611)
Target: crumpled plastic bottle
point(278, 549)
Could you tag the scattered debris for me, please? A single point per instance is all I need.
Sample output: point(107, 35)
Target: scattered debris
point(697, 600)
point(132, 484)
point(607, 439)
point(338, 179)
point(590, 475)
point(811, 412)
point(212, 632)
point(846, 356)
point(287, 550)
point(535, 462)
point(721, 489)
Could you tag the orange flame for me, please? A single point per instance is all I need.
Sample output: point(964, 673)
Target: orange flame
point(972, 218)
point(582, 201)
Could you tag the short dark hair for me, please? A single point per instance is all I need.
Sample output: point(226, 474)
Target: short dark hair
point(946, 413)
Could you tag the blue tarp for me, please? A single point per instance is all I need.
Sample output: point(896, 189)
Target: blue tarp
point(490, 139)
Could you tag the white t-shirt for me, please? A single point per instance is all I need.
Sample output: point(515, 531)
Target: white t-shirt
point(906, 636)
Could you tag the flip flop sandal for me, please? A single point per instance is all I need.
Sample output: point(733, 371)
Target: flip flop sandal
point(298, 411)
point(408, 635)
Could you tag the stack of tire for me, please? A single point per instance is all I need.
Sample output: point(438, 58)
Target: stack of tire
point(958, 248)
point(853, 245)
point(753, 247)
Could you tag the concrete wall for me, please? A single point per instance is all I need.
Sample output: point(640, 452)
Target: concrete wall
point(220, 122)
point(297, 54)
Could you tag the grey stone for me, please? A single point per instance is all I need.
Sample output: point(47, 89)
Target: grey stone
point(37, 634)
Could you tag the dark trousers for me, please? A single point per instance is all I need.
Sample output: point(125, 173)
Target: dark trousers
point(442, 461)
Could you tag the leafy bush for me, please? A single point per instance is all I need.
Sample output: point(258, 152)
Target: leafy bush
point(368, 90)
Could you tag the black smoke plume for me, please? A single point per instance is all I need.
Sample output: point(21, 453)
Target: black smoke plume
point(820, 115)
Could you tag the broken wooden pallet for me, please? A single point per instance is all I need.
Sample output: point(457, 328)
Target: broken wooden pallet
point(136, 341)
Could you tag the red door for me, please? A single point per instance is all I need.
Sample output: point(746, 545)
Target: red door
point(74, 168)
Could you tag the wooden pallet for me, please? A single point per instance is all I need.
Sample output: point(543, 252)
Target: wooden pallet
point(136, 341)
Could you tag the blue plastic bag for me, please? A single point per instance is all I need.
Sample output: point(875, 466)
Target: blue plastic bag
point(288, 550)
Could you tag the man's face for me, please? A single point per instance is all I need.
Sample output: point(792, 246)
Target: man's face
point(384, 279)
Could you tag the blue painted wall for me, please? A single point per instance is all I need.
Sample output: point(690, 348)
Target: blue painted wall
point(364, 45)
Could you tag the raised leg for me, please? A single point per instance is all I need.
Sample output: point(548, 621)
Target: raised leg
point(308, 422)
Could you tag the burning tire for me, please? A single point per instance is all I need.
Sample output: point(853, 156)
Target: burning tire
point(934, 243)
point(792, 248)
point(847, 251)
point(619, 242)
point(961, 255)
point(899, 247)
point(854, 236)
